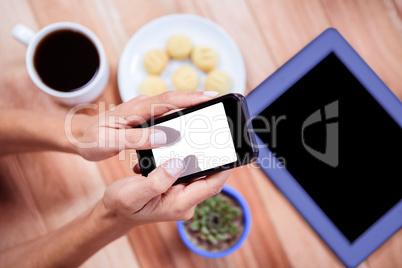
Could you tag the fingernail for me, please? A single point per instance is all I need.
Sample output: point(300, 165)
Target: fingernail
point(211, 93)
point(157, 138)
point(174, 166)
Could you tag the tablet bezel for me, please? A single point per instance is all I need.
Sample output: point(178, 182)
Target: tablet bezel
point(274, 86)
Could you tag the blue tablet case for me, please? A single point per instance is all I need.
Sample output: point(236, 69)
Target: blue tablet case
point(330, 42)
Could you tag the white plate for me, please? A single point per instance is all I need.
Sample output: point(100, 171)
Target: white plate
point(155, 34)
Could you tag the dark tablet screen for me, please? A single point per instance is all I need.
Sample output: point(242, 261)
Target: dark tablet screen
point(339, 144)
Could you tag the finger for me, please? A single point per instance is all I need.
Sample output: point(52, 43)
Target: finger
point(162, 103)
point(198, 191)
point(137, 169)
point(163, 177)
point(141, 138)
point(141, 97)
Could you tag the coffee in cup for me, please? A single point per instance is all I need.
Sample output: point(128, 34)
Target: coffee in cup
point(66, 60)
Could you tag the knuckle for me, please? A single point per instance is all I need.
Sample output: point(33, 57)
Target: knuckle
point(118, 200)
point(187, 215)
point(214, 188)
point(166, 97)
point(155, 186)
point(121, 200)
point(183, 213)
point(178, 211)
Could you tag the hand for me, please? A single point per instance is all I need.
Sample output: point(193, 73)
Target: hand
point(139, 200)
point(105, 135)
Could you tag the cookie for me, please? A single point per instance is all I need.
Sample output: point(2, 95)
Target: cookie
point(155, 61)
point(152, 85)
point(179, 47)
point(185, 78)
point(218, 80)
point(204, 57)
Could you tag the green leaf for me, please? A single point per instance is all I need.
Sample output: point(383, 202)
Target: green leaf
point(204, 220)
point(196, 212)
point(212, 239)
point(222, 236)
point(235, 212)
point(204, 230)
point(204, 210)
point(204, 236)
point(218, 199)
point(228, 218)
point(227, 202)
point(195, 226)
point(233, 229)
point(208, 202)
point(225, 208)
point(211, 202)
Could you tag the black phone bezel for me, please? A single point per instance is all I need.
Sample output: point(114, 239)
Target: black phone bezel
point(235, 106)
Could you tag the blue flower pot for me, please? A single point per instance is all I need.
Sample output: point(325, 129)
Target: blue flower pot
point(246, 230)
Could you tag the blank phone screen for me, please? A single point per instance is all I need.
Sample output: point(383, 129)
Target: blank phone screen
point(202, 139)
point(339, 144)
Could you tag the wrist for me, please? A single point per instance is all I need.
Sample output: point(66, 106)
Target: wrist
point(111, 221)
point(74, 130)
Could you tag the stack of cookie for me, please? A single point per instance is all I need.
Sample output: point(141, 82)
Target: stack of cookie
point(180, 47)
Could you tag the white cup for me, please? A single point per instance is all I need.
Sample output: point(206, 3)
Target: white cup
point(90, 91)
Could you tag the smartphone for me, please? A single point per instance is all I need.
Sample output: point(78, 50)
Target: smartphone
point(209, 137)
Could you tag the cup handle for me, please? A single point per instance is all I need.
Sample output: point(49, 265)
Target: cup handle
point(22, 33)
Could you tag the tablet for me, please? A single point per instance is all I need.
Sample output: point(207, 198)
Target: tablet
point(329, 133)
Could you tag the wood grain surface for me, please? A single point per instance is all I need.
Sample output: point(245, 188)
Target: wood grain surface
point(40, 192)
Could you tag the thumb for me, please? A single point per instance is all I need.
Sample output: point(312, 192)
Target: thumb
point(163, 177)
point(129, 195)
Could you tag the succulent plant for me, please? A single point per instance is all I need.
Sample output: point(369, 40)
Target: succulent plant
point(215, 219)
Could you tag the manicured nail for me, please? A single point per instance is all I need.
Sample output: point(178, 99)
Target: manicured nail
point(157, 138)
point(173, 166)
point(211, 93)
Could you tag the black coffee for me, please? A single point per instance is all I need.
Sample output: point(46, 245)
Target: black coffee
point(66, 60)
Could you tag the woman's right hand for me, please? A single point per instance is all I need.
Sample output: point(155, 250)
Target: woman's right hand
point(138, 200)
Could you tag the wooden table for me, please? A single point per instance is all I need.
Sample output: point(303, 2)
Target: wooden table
point(40, 192)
